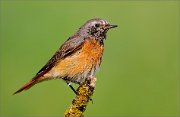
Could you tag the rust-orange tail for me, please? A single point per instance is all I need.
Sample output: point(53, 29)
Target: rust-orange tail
point(27, 86)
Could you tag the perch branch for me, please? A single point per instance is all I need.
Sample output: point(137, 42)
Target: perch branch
point(79, 103)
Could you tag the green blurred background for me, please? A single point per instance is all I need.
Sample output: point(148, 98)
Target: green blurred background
point(139, 75)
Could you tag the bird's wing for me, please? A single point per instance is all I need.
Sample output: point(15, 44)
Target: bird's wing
point(73, 44)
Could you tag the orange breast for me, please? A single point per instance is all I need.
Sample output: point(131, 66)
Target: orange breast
point(80, 64)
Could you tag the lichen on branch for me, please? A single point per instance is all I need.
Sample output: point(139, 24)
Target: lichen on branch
point(83, 96)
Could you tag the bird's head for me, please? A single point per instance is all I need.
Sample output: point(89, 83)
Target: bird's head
point(96, 28)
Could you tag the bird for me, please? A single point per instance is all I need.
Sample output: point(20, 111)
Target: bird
point(77, 58)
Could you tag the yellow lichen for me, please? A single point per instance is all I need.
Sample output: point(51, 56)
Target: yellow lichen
point(84, 93)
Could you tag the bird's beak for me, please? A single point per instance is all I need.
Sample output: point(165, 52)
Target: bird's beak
point(112, 26)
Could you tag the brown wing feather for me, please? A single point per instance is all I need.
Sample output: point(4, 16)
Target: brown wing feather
point(70, 46)
point(74, 43)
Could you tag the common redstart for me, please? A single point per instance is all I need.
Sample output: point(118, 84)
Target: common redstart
point(78, 58)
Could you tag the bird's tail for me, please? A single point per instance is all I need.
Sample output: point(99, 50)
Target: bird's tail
point(27, 86)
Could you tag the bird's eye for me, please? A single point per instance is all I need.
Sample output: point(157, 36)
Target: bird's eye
point(97, 25)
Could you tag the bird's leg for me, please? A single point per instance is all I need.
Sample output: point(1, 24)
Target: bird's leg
point(72, 88)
